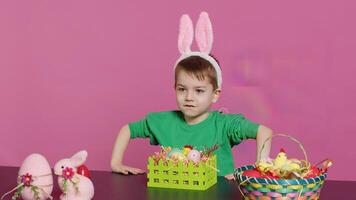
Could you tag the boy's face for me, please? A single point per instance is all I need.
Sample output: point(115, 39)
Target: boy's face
point(194, 97)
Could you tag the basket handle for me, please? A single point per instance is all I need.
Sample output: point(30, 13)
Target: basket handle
point(291, 138)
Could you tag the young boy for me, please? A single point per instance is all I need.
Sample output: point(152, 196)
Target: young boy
point(197, 87)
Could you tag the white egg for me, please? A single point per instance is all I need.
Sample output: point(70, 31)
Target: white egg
point(37, 166)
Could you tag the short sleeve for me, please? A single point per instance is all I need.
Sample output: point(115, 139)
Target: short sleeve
point(141, 129)
point(239, 128)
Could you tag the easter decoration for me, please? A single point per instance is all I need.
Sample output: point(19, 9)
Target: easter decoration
point(282, 178)
point(83, 170)
point(186, 168)
point(73, 185)
point(34, 181)
point(204, 40)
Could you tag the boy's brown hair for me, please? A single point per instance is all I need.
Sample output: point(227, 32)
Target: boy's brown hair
point(199, 68)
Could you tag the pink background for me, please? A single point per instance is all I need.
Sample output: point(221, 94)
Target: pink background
point(73, 72)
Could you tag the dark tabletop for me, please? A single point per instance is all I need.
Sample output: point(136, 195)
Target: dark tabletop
point(116, 186)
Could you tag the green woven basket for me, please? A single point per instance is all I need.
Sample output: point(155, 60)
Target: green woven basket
point(279, 189)
point(180, 176)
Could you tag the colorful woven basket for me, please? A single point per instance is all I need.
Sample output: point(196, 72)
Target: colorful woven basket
point(180, 176)
point(278, 189)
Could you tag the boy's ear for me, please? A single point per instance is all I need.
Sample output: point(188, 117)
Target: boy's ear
point(217, 93)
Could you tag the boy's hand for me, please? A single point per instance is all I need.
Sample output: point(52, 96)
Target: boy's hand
point(230, 177)
point(123, 169)
point(120, 146)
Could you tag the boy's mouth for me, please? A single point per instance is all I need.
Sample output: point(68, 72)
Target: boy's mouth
point(189, 106)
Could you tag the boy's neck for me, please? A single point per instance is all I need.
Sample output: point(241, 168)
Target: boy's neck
point(197, 119)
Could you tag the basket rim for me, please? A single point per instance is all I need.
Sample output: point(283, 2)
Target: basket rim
point(239, 177)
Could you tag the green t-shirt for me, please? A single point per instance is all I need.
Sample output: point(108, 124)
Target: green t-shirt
point(170, 129)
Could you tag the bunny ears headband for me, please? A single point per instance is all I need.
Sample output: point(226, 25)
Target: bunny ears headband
point(203, 37)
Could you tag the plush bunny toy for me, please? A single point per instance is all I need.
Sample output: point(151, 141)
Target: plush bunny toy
point(73, 185)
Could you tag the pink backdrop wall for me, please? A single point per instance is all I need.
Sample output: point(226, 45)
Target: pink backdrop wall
point(73, 72)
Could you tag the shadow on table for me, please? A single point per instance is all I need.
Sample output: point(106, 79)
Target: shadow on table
point(223, 190)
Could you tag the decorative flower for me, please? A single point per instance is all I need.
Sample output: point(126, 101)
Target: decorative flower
point(68, 173)
point(26, 179)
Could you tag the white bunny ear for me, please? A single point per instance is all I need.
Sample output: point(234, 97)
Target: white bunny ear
point(185, 38)
point(79, 158)
point(204, 33)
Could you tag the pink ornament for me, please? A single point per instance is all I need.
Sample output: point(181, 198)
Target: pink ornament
point(194, 156)
point(35, 171)
point(74, 186)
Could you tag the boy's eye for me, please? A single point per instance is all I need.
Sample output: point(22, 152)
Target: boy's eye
point(200, 91)
point(181, 89)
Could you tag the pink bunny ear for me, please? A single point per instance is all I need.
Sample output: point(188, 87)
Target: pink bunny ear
point(204, 33)
point(79, 158)
point(185, 37)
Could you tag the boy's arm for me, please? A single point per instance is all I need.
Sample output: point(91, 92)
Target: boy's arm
point(263, 133)
point(120, 146)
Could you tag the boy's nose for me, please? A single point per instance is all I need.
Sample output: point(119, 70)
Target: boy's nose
point(189, 96)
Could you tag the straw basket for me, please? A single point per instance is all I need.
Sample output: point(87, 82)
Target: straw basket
point(279, 189)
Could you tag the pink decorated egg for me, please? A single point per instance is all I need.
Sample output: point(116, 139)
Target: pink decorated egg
point(194, 155)
point(35, 171)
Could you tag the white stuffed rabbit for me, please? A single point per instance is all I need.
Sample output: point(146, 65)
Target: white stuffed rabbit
point(74, 186)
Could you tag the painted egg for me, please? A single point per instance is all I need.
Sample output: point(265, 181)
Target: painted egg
point(83, 170)
point(176, 154)
point(35, 171)
point(314, 172)
point(175, 151)
point(194, 155)
point(252, 173)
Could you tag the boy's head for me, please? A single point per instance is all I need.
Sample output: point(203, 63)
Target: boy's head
point(196, 86)
point(199, 68)
point(197, 74)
